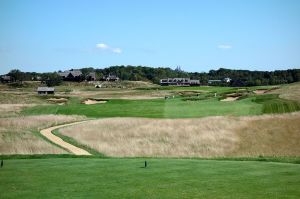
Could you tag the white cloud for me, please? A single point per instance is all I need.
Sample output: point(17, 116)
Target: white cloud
point(103, 46)
point(225, 46)
point(117, 50)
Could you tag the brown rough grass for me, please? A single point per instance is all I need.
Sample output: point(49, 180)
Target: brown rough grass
point(269, 135)
point(290, 91)
point(9, 110)
point(16, 135)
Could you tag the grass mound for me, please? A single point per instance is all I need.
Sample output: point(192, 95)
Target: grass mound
point(273, 104)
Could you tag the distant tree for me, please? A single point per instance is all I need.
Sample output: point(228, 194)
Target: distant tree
point(51, 79)
point(239, 77)
point(86, 71)
point(257, 82)
point(16, 75)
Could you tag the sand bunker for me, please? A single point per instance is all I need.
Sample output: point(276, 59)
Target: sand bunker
point(57, 100)
point(259, 92)
point(94, 101)
point(229, 99)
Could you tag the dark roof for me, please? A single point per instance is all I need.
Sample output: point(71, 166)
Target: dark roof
point(75, 73)
point(45, 89)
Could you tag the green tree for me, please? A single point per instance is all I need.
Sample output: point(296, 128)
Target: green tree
point(16, 75)
point(51, 79)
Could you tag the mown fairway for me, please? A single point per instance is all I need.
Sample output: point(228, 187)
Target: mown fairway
point(171, 108)
point(163, 178)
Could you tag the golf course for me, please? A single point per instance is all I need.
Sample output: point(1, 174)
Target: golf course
point(151, 142)
point(114, 99)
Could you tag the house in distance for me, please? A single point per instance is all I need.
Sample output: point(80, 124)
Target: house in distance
point(45, 90)
point(76, 75)
point(179, 82)
point(110, 78)
point(226, 80)
point(71, 75)
point(6, 79)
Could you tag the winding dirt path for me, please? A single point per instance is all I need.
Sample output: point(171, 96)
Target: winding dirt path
point(57, 140)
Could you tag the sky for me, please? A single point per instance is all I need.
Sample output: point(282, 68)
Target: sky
point(197, 35)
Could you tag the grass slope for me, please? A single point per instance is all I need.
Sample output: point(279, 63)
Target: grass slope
point(164, 178)
point(171, 108)
point(273, 104)
point(158, 108)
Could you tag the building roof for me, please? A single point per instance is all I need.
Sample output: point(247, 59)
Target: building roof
point(92, 74)
point(75, 73)
point(45, 89)
point(6, 77)
point(63, 74)
point(112, 76)
point(214, 80)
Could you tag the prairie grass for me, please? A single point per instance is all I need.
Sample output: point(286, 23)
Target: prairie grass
point(289, 91)
point(267, 135)
point(19, 97)
point(9, 110)
point(17, 134)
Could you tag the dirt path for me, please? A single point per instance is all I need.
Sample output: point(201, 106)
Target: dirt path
point(57, 140)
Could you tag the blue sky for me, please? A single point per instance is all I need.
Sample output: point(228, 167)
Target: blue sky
point(197, 35)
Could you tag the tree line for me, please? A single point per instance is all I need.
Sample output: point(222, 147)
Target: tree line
point(144, 73)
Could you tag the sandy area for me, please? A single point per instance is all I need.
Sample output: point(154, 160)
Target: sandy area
point(260, 92)
point(229, 99)
point(57, 140)
point(90, 101)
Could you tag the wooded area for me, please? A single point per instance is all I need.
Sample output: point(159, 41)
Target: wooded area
point(143, 73)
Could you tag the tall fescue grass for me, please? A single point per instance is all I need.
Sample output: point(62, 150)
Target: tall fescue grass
point(289, 91)
point(267, 135)
point(20, 97)
point(17, 134)
point(9, 110)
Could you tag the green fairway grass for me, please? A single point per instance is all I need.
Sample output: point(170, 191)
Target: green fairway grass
point(171, 108)
point(163, 178)
point(157, 108)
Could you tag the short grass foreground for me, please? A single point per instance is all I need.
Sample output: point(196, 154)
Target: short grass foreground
point(163, 178)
